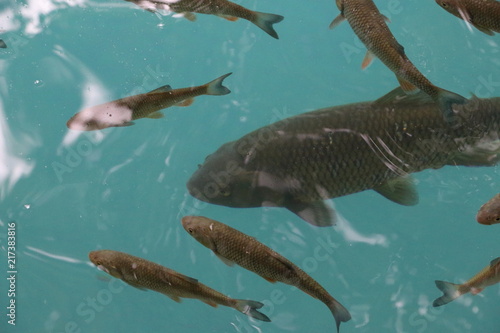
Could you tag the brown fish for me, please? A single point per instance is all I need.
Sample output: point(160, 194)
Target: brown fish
point(233, 246)
point(144, 274)
point(489, 213)
point(483, 14)
point(222, 8)
point(487, 277)
point(123, 111)
point(369, 25)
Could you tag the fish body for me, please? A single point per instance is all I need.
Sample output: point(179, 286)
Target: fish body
point(144, 274)
point(223, 8)
point(489, 213)
point(300, 161)
point(123, 111)
point(2, 44)
point(370, 27)
point(482, 14)
point(490, 275)
point(233, 246)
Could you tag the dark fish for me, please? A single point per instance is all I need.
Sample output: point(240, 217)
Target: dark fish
point(2, 44)
point(144, 274)
point(483, 14)
point(369, 25)
point(487, 277)
point(124, 110)
point(300, 161)
point(489, 213)
point(232, 246)
point(223, 8)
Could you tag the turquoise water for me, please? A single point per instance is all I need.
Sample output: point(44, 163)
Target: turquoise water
point(124, 188)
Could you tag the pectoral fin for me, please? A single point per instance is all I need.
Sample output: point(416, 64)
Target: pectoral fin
point(224, 260)
point(477, 157)
point(317, 213)
point(400, 190)
point(336, 21)
point(487, 31)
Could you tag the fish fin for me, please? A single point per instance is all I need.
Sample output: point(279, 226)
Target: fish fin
point(156, 115)
point(2, 44)
point(484, 29)
point(265, 21)
point(186, 102)
point(399, 97)
point(129, 123)
point(445, 100)
point(161, 89)
point(135, 285)
point(339, 312)
point(400, 190)
point(269, 279)
point(368, 59)
point(174, 298)
point(215, 87)
point(286, 266)
point(224, 260)
point(385, 18)
point(317, 213)
point(211, 303)
point(250, 309)
point(450, 293)
point(166, 277)
point(494, 262)
point(336, 21)
point(407, 87)
point(476, 157)
point(475, 291)
point(229, 18)
point(188, 16)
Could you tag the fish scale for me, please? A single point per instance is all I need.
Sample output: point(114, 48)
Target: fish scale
point(483, 14)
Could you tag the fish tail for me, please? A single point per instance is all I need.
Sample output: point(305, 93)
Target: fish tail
point(250, 309)
point(265, 21)
point(215, 87)
point(450, 292)
point(445, 99)
point(339, 312)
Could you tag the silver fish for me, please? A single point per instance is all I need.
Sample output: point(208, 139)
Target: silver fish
point(144, 274)
point(123, 111)
point(300, 161)
point(233, 246)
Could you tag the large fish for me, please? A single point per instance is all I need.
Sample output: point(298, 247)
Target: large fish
point(144, 274)
point(487, 277)
point(233, 246)
point(123, 111)
point(369, 25)
point(300, 161)
point(223, 8)
point(483, 14)
point(489, 213)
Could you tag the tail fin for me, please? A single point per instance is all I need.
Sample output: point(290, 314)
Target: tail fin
point(445, 99)
point(215, 87)
point(265, 21)
point(250, 309)
point(450, 293)
point(339, 313)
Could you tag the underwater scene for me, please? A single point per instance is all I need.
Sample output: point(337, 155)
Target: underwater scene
point(250, 166)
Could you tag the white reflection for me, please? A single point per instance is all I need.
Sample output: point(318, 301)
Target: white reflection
point(12, 167)
point(352, 235)
point(54, 256)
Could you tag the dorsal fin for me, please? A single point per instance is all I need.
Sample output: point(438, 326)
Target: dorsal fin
point(164, 88)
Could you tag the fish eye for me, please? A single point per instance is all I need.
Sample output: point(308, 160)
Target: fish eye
point(497, 219)
point(225, 192)
point(190, 230)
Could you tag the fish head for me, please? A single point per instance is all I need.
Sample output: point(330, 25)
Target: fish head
point(225, 179)
point(200, 228)
point(488, 217)
point(106, 261)
point(454, 7)
point(99, 117)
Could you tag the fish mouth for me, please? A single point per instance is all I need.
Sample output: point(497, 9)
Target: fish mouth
point(102, 268)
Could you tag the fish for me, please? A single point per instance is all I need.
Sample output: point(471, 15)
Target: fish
point(490, 275)
point(489, 213)
point(482, 14)
point(222, 8)
point(233, 246)
point(369, 25)
point(122, 112)
point(2, 44)
point(143, 274)
point(299, 162)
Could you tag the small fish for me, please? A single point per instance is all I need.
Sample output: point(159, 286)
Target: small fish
point(233, 246)
point(299, 162)
point(123, 111)
point(144, 274)
point(487, 277)
point(483, 14)
point(223, 8)
point(2, 44)
point(489, 213)
point(369, 25)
